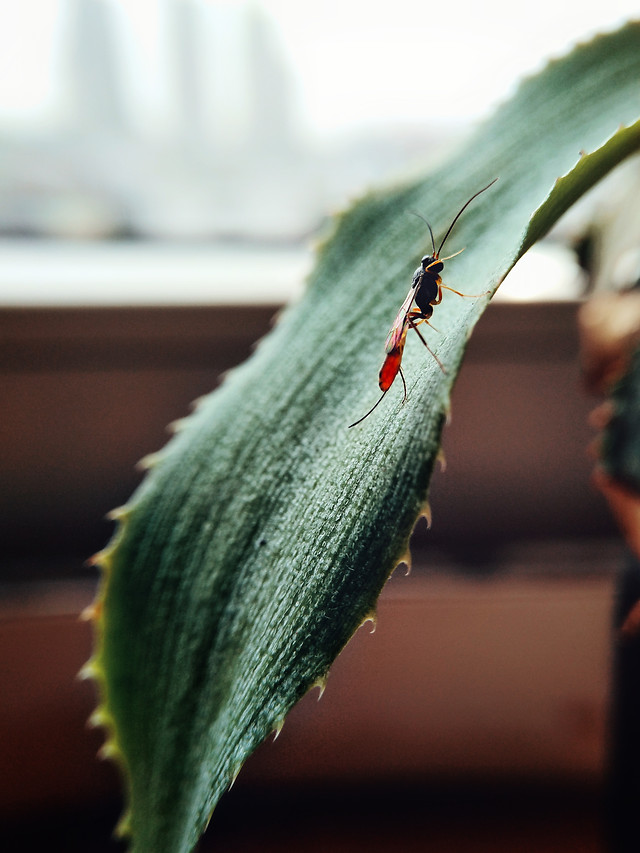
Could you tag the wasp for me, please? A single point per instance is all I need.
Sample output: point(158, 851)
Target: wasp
point(425, 292)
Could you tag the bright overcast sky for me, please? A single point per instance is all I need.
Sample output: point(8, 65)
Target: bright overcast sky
point(358, 61)
point(354, 62)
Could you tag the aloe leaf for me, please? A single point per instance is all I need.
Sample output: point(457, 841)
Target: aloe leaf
point(264, 531)
point(620, 448)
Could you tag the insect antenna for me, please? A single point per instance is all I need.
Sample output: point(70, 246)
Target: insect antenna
point(459, 214)
point(420, 216)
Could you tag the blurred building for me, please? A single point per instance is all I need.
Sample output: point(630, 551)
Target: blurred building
point(228, 159)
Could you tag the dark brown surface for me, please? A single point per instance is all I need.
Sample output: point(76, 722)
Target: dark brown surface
point(374, 819)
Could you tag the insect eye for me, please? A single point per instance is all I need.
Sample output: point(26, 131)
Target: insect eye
point(426, 261)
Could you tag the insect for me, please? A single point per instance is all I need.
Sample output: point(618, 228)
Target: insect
point(426, 292)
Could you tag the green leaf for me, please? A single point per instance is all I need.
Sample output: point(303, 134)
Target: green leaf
point(620, 450)
point(264, 531)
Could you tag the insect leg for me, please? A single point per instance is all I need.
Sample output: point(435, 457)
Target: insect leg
point(404, 385)
point(414, 326)
point(419, 319)
point(442, 287)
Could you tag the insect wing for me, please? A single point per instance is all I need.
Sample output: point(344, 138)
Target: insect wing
point(400, 324)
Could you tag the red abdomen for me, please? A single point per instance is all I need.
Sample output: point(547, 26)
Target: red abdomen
point(390, 368)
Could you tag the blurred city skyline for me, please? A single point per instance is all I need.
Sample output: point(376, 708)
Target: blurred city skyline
point(185, 119)
point(232, 159)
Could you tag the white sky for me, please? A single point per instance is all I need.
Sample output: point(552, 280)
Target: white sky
point(355, 62)
point(358, 61)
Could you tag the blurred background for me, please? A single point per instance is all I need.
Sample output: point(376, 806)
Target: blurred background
point(153, 155)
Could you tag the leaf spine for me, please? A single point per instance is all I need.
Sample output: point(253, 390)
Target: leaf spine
point(99, 718)
point(109, 750)
point(119, 513)
point(370, 617)
point(100, 559)
point(234, 775)
point(178, 425)
point(148, 462)
point(321, 684)
point(92, 612)
point(123, 827)
point(89, 671)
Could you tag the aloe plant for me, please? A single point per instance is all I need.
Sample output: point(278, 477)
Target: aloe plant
point(265, 530)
